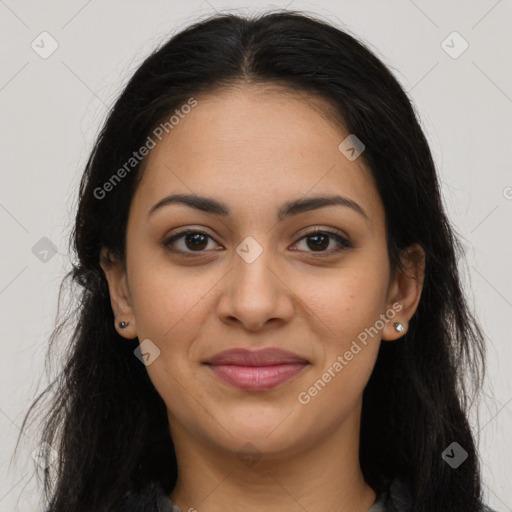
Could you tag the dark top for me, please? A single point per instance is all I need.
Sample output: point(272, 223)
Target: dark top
point(153, 498)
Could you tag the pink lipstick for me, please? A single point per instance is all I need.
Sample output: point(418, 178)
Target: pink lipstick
point(256, 370)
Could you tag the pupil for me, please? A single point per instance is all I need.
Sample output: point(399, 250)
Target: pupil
point(319, 245)
point(197, 241)
point(195, 237)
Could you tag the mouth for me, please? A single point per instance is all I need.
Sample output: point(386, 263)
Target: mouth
point(256, 370)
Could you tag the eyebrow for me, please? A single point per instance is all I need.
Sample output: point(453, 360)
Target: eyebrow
point(288, 209)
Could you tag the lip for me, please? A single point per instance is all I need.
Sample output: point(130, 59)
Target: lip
point(262, 357)
point(256, 370)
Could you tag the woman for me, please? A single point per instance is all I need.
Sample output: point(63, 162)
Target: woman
point(271, 315)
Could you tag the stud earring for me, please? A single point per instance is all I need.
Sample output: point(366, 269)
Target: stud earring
point(123, 325)
point(398, 326)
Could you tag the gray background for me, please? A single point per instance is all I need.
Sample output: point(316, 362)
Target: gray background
point(52, 109)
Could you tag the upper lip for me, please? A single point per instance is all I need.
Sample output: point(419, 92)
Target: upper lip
point(262, 357)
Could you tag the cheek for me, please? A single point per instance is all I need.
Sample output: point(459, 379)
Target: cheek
point(347, 310)
point(171, 306)
point(336, 388)
point(168, 300)
point(346, 301)
point(347, 306)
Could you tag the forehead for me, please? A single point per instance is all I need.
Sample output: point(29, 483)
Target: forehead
point(254, 147)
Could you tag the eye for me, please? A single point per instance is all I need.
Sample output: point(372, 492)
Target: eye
point(320, 240)
point(194, 240)
point(197, 242)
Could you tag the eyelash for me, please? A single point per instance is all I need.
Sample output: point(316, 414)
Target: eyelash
point(343, 242)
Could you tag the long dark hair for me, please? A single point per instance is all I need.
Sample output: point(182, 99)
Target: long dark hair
point(107, 422)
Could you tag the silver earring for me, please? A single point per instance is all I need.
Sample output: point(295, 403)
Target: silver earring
point(398, 326)
point(123, 325)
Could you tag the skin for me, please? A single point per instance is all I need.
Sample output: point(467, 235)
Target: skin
point(255, 148)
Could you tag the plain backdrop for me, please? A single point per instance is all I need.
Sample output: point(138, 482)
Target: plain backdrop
point(52, 107)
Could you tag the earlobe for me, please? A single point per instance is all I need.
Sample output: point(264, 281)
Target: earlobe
point(405, 291)
point(120, 298)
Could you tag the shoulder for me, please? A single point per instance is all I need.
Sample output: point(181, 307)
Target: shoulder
point(398, 498)
point(150, 498)
point(153, 498)
point(400, 495)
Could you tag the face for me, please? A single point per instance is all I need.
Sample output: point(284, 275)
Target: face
point(250, 278)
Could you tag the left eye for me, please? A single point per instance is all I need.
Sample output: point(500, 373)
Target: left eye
point(197, 241)
point(321, 239)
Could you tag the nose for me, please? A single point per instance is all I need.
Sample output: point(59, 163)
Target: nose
point(255, 294)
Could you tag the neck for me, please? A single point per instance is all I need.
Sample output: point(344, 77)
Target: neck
point(324, 476)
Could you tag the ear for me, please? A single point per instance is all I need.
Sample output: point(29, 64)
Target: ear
point(405, 290)
point(120, 297)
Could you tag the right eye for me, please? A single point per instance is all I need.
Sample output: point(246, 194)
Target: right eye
point(194, 240)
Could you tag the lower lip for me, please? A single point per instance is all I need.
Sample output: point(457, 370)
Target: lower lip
point(257, 378)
